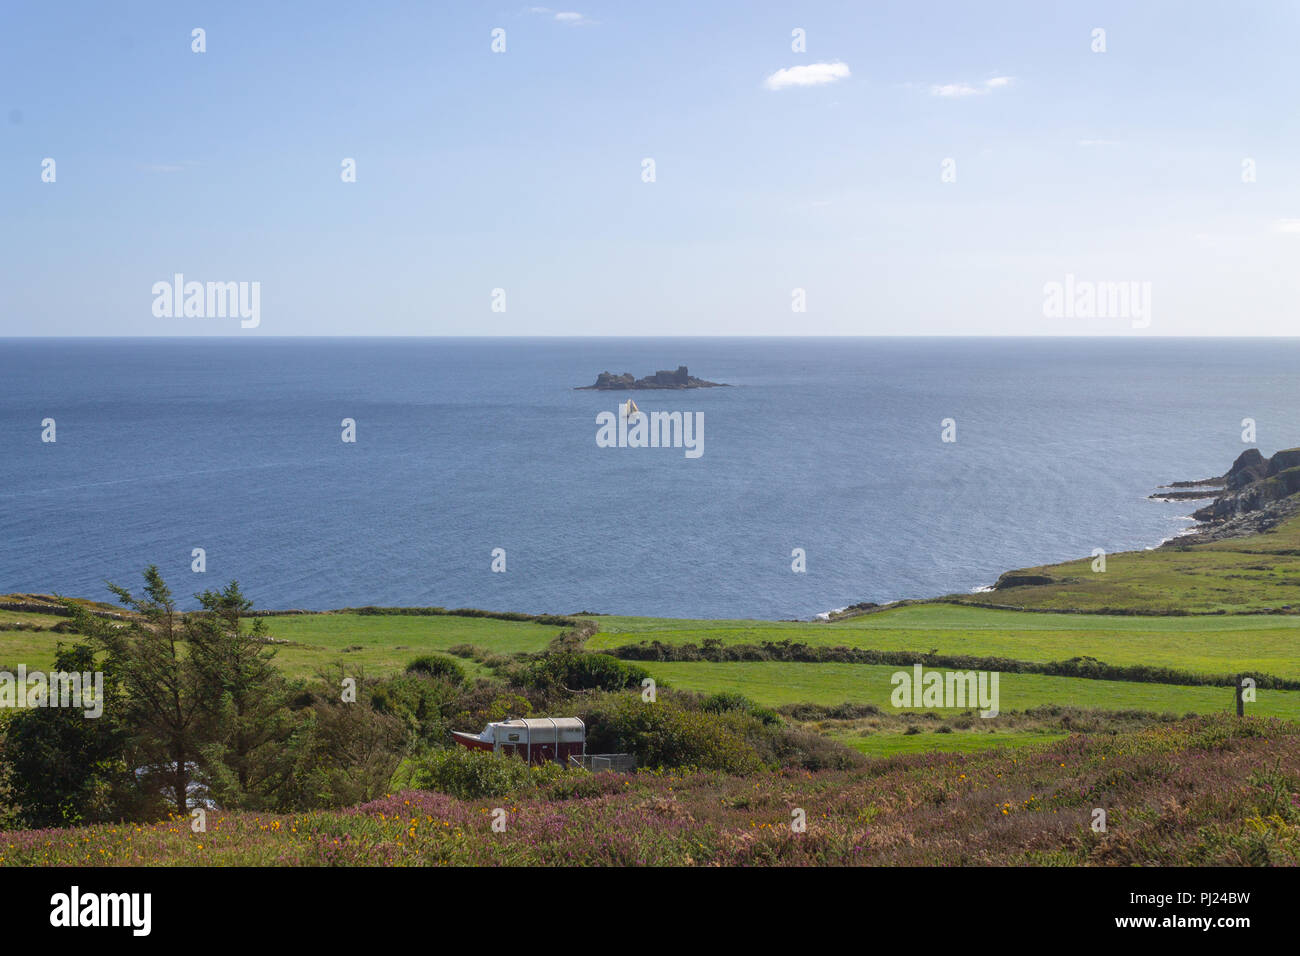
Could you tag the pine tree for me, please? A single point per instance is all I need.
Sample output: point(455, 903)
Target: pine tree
point(244, 762)
point(165, 706)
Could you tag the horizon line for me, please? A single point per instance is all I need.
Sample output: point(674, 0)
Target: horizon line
point(235, 336)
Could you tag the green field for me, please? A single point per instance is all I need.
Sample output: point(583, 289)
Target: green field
point(33, 648)
point(1268, 644)
point(375, 644)
point(25, 618)
point(385, 644)
point(775, 684)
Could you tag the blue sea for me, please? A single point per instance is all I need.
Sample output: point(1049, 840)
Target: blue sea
point(469, 445)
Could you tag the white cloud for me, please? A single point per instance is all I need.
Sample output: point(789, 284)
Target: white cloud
point(563, 16)
point(1287, 225)
point(1099, 142)
point(953, 89)
point(965, 89)
point(814, 74)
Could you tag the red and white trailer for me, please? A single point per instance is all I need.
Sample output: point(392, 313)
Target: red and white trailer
point(535, 739)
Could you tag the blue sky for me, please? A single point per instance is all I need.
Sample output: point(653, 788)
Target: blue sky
point(522, 170)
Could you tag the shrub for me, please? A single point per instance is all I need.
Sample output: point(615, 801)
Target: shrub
point(342, 754)
point(845, 711)
point(418, 702)
point(580, 785)
point(665, 734)
point(469, 774)
point(439, 667)
point(474, 774)
point(574, 671)
point(726, 701)
point(808, 750)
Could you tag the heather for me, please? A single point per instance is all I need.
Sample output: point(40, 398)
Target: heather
point(1203, 791)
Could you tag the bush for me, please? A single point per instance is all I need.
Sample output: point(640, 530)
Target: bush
point(574, 671)
point(726, 701)
point(844, 711)
point(808, 750)
point(665, 734)
point(439, 667)
point(420, 703)
point(342, 754)
point(474, 774)
point(580, 785)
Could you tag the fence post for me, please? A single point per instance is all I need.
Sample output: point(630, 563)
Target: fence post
point(1241, 707)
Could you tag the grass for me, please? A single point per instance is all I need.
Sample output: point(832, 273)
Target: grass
point(959, 741)
point(385, 644)
point(775, 684)
point(1253, 573)
point(886, 733)
point(376, 644)
point(1211, 645)
point(28, 618)
point(1267, 644)
point(33, 648)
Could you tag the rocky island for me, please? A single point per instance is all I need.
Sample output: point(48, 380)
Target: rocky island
point(607, 381)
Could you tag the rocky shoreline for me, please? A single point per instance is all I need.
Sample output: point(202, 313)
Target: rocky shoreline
point(1254, 496)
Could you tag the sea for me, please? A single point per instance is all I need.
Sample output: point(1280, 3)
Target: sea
point(476, 478)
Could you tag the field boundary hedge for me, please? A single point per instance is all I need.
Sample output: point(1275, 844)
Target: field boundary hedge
point(714, 651)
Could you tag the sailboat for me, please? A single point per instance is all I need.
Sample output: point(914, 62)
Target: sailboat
point(628, 409)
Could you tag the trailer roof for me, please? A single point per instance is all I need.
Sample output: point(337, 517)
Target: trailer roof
point(564, 723)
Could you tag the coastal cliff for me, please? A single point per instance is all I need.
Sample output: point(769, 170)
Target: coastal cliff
point(1257, 494)
point(1241, 558)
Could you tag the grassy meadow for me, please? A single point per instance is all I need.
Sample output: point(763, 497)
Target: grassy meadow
point(373, 644)
point(1252, 574)
point(1207, 645)
point(778, 683)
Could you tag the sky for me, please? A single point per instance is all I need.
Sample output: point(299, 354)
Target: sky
point(915, 169)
